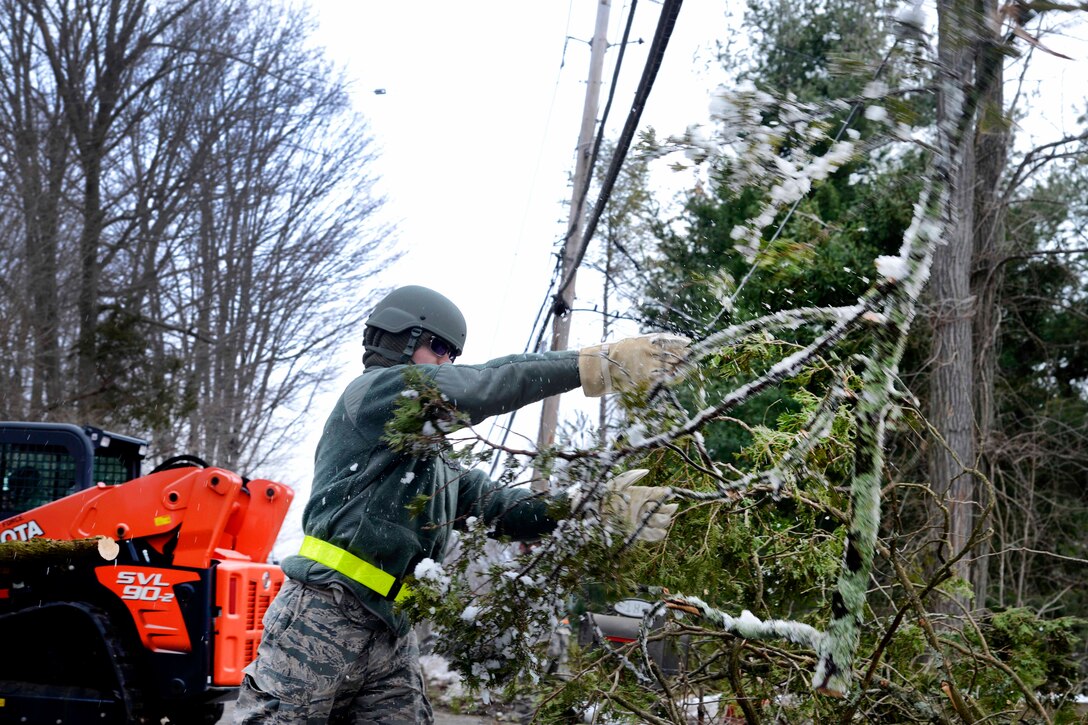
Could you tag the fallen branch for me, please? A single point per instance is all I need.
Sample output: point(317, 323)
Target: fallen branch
point(747, 625)
point(38, 550)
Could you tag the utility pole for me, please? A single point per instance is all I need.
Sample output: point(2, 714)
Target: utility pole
point(549, 415)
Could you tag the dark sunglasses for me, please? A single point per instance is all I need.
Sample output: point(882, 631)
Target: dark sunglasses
point(441, 348)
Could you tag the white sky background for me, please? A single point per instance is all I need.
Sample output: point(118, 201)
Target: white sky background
point(478, 127)
point(477, 130)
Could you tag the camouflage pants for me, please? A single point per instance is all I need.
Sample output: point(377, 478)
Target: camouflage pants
point(325, 658)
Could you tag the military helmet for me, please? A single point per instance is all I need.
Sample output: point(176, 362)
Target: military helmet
point(419, 309)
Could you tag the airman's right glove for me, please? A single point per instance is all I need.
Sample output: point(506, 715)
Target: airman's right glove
point(629, 363)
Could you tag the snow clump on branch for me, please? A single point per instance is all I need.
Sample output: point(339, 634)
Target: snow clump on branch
point(767, 142)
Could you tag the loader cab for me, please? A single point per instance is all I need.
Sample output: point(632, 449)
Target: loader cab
point(43, 462)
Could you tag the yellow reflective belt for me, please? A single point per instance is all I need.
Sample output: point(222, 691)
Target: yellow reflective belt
point(352, 567)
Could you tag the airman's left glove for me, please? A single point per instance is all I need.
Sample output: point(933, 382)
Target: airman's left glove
point(632, 508)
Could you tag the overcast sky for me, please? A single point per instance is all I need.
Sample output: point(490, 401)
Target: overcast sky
point(477, 125)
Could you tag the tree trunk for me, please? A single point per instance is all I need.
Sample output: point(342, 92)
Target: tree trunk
point(89, 273)
point(991, 148)
point(44, 274)
point(951, 407)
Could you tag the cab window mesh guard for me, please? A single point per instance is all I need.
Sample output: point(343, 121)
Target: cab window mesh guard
point(33, 476)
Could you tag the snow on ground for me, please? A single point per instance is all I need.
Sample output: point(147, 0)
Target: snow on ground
point(445, 688)
point(443, 684)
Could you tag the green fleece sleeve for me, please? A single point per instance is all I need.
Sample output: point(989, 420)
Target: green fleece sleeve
point(506, 383)
point(516, 512)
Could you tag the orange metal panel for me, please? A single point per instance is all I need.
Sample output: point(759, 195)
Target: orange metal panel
point(243, 592)
point(148, 592)
point(255, 522)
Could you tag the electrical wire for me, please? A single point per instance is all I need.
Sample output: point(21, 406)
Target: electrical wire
point(540, 325)
point(579, 200)
point(576, 212)
point(666, 23)
point(541, 321)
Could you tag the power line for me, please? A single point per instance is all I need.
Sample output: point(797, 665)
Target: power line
point(665, 25)
point(536, 170)
point(581, 197)
point(598, 45)
point(666, 22)
point(601, 128)
point(583, 172)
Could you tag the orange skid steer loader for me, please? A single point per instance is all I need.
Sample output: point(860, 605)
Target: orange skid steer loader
point(162, 630)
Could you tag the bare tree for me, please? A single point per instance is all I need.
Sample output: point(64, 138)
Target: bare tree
point(96, 52)
point(36, 150)
point(194, 209)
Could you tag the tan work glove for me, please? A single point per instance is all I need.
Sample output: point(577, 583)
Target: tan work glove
point(629, 363)
point(631, 507)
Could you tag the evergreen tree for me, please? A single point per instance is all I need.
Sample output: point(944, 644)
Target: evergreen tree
point(777, 577)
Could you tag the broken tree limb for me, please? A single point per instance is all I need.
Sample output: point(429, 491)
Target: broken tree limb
point(747, 625)
point(43, 550)
point(879, 373)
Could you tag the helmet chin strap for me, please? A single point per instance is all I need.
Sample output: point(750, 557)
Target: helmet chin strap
point(405, 355)
point(413, 341)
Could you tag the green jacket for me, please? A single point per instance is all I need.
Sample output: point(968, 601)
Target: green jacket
point(362, 487)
